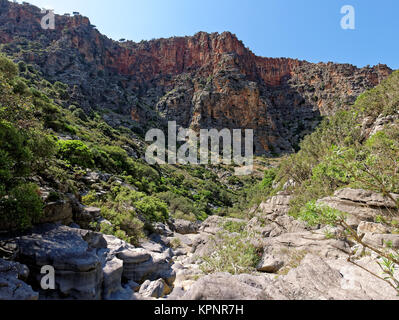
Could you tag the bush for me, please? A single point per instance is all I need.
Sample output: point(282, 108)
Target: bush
point(182, 206)
point(76, 153)
point(125, 224)
point(79, 113)
point(22, 206)
point(268, 179)
point(112, 159)
point(15, 156)
point(8, 68)
point(20, 87)
point(22, 66)
point(318, 214)
point(153, 209)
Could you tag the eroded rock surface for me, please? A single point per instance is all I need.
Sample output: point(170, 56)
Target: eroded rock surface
point(202, 81)
point(12, 282)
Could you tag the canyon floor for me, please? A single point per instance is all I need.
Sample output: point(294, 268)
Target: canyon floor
point(296, 262)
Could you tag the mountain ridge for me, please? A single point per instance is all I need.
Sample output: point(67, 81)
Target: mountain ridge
point(202, 81)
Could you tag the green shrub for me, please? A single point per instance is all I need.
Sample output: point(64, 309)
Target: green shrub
point(22, 66)
point(8, 68)
point(22, 206)
point(125, 225)
point(76, 153)
point(15, 156)
point(182, 206)
point(79, 113)
point(112, 159)
point(318, 214)
point(152, 209)
point(234, 226)
point(234, 255)
point(269, 177)
point(20, 87)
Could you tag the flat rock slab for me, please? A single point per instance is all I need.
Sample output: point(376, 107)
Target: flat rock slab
point(134, 256)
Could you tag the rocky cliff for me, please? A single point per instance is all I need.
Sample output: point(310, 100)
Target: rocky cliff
point(203, 81)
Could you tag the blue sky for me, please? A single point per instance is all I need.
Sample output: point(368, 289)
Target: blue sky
point(303, 29)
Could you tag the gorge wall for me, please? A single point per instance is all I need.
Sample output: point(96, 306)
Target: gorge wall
point(203, 81)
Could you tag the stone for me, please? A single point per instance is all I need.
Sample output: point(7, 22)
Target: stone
point(78, 271)
point(153, 246)
point(112, 271)
point(155, 289)
point(84, 216)
point(134, 256)
point(157, 267)
point(93, 212)
point(116, 245)
point(360, 205)
point(60, 211)
point(94, 239)
point(368, 197)
point(315, 278)
point(12, 285)
point(223, 286)
point(370, 227)
point(163, 229)
point(382, 240)
point(269, 264)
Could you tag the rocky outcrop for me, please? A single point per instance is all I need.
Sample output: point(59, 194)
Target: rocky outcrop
point(154, 289)
point(185, 227)
point(88, 265)
point(271, 219)
point(12, 282)
point(314, 279)
point(203, 81)
point(223, 286)
point(361, 205)
point(298, 263)
point(78, 271)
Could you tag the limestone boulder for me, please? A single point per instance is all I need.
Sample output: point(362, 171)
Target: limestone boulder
point(360, 205)
point(185, 227)
point(155, 289)
point(270, 264)
point(78, 270)
point(12, 282)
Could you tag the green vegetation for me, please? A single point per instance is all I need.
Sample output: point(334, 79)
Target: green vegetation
point(234, 227)
point(21, 206)
point(232, 254)
point(342, 153)
point(316, 214)
point(75, 153)
point(252, 194)
point(24, 148)
point(42, 134)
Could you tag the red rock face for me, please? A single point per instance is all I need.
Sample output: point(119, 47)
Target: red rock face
point(203, 81)
point(200, 52)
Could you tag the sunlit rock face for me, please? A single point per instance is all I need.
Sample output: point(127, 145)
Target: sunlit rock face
point(203, 81)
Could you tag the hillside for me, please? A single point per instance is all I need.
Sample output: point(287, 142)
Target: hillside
point(203, 81)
